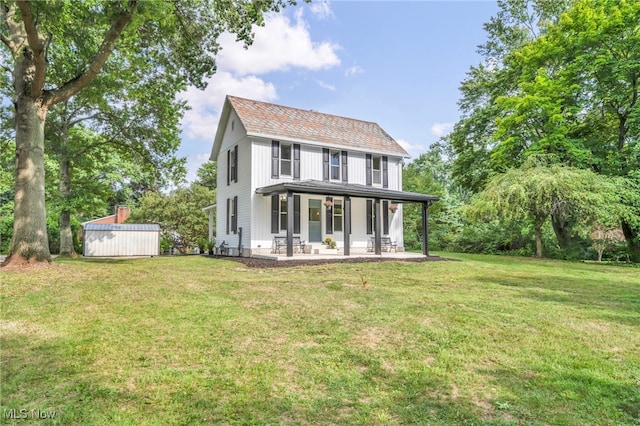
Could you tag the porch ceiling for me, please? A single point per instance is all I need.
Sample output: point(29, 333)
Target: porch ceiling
point(352, 190)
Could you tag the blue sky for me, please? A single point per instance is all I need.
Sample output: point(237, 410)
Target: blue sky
point(397, 63)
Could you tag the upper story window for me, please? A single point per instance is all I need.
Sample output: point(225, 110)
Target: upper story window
point(232, 165)
point(335, 165)
point(377, 169)
point(285, 159)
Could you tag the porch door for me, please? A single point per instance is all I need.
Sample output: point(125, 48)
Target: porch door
point(315, 227)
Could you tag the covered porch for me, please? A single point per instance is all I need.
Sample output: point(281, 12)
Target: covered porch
point(378, 244)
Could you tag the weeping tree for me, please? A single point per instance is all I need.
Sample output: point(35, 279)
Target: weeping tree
point(540, 189)
point(54, 50)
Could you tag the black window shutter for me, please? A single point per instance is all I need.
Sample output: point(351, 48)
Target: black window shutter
point(385, 217)
point(369, 169)
point(325, 164)
point(296, 161)
point(234, 225)
point(228, 168)
point(385, 171)
point(296, 214)
point(235, 164)
point(275, 214)
point(369, 216)
point(345, 167)
point(329, 217)
point(228, 213)
point(275, 159)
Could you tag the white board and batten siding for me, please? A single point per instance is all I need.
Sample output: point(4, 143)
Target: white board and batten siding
point(111, 240)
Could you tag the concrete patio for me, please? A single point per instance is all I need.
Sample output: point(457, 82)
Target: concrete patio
point(340, 256)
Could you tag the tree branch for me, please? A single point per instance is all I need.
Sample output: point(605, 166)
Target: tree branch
point(108, 44)
point(6, 14)
point(36, 47)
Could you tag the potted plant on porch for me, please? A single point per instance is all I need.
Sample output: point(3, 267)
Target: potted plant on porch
point(330, 243)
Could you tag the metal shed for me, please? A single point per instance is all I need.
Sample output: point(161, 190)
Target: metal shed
point(121, 240)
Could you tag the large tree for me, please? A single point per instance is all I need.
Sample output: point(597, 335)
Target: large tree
point(54, 50)
point(570, 89)
point(140, 134)
point(542, 188)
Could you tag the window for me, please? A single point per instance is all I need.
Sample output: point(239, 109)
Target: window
point(377, 169)
point(279, 209)
point(371, 217)
point(285, 159)
point(335, 165)
point(232, 165)
point(283, 213)
point(232, 215)
point(337, 215)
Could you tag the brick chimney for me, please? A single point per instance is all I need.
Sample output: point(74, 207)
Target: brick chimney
point(122, 213)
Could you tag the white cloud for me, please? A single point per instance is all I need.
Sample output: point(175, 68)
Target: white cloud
point(202, 120)
point(278, 46)
point(353, 70)
point(414, 150)
point(322, 9)
point(326, 85)
point(441, 129)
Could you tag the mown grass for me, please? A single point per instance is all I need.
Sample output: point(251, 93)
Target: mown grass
point(191, 340)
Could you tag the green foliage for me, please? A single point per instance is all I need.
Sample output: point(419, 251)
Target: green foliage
point(561, 79)
point(330, 242)
point(179, 214)
point(202, 245)
point(208, 174)
point(539, 189)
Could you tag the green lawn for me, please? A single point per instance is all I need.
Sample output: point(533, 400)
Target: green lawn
point(190, 340)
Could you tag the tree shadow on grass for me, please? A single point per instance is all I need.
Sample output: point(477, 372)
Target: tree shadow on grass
point(566, 396)
point(613, 302)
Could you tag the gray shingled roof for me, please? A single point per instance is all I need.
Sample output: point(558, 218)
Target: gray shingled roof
point(281, 122)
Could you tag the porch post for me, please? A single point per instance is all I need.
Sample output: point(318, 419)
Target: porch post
point(378, 225)
point(289, 224)
point(347, 225)
point(425, 229)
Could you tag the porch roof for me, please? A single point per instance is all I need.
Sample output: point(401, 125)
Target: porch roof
point(352, 190)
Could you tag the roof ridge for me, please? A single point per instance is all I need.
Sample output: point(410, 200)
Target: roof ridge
point(306, 110)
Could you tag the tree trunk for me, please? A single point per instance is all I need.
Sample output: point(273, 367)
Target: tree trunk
point(30, 242)
point(562, 229)
point(632, 236)
point(66, 234)
point(539, 239)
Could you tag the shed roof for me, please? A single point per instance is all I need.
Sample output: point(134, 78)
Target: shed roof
point(148, 227)
point(263, 119)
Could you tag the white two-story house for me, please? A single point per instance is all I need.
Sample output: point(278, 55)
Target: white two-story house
point(295, 175)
